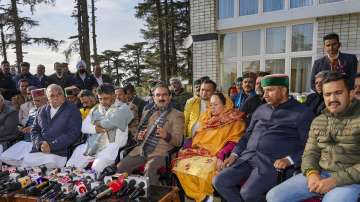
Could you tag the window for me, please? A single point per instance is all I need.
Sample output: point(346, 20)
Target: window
point(251, 43)
point(302, 37)
point(228, 45)
point(251, 66)
point(275, 40)
point(273, 5)
point(226, 9)
point(300, 68)
point(276, 66)
point(300, 3)
point(328, 1)
point(228, 75)
point(248, 7)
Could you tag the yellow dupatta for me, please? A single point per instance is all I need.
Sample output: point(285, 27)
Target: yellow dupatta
point(195, 166)
point(215, 132)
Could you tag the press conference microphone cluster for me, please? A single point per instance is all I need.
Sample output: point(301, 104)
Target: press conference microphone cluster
point(138, 192)
point(108, 171)
point(129, 187)
point(113, 187)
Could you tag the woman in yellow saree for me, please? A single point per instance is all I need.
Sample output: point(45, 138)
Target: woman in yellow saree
point(221, 127)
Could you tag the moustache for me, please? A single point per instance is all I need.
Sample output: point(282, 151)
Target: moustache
point(161, 100)
point(334, 102)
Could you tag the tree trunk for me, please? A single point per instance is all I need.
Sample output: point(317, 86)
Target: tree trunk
point(163, 74)
point(138, 55)
point(3, 42)
point(80, 30)
point(93, 23)
point(17, 29)
point(172, 38)
point(168, 65)
point(85, 33)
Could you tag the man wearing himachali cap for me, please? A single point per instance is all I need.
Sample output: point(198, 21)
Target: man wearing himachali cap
point(15, 154)
point(274, 139)
point(56, 127)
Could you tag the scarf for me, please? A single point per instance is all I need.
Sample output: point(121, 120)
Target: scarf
point(151, 140)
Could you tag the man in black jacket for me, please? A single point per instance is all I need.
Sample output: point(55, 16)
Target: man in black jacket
point(59, 77)
point(253, 102)
point(334, 60)
point(133, 98)
point(83, 79)
point(315, 100)
point(100, 77)
point(40, 75)
point(7, 85)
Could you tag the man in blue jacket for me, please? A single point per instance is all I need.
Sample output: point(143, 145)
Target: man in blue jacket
point(334, 60)
point(56, 127)
point(25, 74)
point(274, 139)
point(247, 90)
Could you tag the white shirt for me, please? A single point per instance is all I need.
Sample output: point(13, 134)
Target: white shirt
point(99, 80)
point(82, 76)
point(53, 111)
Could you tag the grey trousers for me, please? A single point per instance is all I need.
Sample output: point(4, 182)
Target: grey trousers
point(152, 165)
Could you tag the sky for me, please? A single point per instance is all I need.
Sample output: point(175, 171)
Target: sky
point(116, 26)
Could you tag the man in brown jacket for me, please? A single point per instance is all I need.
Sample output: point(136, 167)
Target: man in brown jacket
point(161, 128)
point(331, 161)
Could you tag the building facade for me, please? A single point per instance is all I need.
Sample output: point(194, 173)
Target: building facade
point(279, 36)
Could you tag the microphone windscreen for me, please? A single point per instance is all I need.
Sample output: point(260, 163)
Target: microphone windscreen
point(141, 185)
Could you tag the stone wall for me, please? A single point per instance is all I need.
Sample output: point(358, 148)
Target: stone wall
point(205, 49)
point(348, 28)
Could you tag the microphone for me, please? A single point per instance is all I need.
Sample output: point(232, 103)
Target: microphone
point(114, 186)
point(130, 188)
point(36, 190)
point(21, 183)
point(52, 192)
point(139, 191)
point(139, 194)
point(80, 188)
point(123, 190)
point(92, 193)
point(13, 186)
point(109, 170)
point(69, 197)
point(4, 174)
point(48, 188)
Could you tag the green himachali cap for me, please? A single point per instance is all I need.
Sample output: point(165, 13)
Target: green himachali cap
point(275, 80)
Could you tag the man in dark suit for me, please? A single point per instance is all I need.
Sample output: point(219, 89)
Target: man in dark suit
point(40, 75)
point(100, 78)
point(59, 78)
point(83, 79)
point(56, 127)
point(133, 98)
point(334, 60)
point(274, 139)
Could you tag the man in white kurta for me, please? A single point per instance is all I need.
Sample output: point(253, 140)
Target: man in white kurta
point(15, 154)
point(107, 126)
